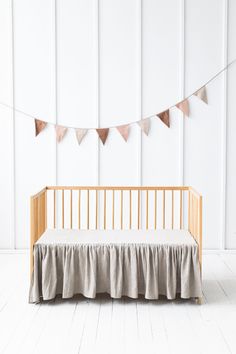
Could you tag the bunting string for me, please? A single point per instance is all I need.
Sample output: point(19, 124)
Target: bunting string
point(124, 129)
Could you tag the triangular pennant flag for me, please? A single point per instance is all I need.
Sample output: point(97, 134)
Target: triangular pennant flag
point(60, 132)
point(184, 107)
point(39, 126)
point(144, 125)
point(202, 94)
point(80, 134)
point(124, 131)
point(165, 117)
point(103, 133)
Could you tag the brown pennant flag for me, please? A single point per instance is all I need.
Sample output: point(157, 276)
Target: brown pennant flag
point(39, 126)
point(103, 133)
point(165, 117)
point(80, 134)
point(124, 131)
point(202, 94)
point(60, 132)
point(144, 125)
point(184, 107)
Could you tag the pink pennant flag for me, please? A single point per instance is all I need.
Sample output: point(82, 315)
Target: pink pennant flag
point(124, 131)
point(103, 133)
point(165, 117)
point(80, 134)
point(60, 132)
point(184, 107)
point(144, 125)
point(202, 94)
point(39, 126)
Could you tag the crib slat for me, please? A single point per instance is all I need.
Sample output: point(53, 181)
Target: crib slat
point(105, 206)
point(88, 209)
point(172, 212)
point(189, 226)
point(130, 209)
point(96, 216)
point(71, 200)
point(63, 209)
point(181, 210)
point(139, 209)
point(164, 210)
point(54, 209)
point(155, 210)
point(79, 198)
point(121, 209)
point(113, 209)
point(147, 209)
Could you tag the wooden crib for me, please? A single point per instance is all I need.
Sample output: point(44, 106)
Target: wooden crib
point(116, 208)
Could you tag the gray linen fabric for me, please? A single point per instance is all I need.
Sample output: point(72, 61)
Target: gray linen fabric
point(85, 266)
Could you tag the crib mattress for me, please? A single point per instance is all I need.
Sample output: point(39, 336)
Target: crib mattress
point(118, 262)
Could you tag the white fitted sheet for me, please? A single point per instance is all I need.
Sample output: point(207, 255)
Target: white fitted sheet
point(72, 236)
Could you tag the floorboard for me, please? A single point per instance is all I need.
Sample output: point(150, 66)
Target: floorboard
point(105, 325)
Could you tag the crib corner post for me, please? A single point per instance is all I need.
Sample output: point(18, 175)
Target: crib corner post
point(200, 232)
point(33, 229)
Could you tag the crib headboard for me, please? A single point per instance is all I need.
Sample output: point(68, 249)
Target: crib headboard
point(92, 207)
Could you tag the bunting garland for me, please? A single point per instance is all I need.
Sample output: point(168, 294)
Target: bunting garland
point(39, 126)
point(145, 125)
point(124, 129)
point(184, 107)
point(60, 132)
point(165, 117)
point(103, 134)
point(80, 134)
point(202, 94)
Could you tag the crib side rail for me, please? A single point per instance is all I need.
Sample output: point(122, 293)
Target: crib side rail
point(195, 218)
point(38, 219)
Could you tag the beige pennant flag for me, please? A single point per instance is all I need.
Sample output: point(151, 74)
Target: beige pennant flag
point(145, 125)
point(80, 134)
point(165, 117)
point(124, 131)
point(60, 132)
point(39, 126)
point(103, 133)
point(184, 107)
point(202, 94)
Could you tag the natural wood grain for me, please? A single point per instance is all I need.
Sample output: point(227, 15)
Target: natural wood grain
point(113, 209)
point(63, 208)
point(88, 201)
point(147, 205)
point(164, 210)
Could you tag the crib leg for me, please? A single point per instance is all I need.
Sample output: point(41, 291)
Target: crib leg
point(199, 300)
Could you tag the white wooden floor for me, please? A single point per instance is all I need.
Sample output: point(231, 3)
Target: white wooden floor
point(119, 326)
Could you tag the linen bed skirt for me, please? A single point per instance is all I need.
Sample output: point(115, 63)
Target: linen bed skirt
point(117, 269)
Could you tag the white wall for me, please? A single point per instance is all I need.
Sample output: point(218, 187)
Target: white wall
point(90, 63)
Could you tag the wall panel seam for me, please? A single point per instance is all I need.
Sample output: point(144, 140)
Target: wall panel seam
point(182, 91)
point(56, 83)
point(224, 127)
point(13, 157)
point(140, 73)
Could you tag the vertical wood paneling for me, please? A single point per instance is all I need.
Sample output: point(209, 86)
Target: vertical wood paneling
point(7, 185)
point(231, 129)
point(119, 79)
point(224, 122)
point(181, 89)
point(34, 93)
point(203, 135)
point(101, 62)
point(77, 87)
point(160, 89)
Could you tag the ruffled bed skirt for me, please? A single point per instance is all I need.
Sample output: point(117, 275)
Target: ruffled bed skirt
point(119, 270)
